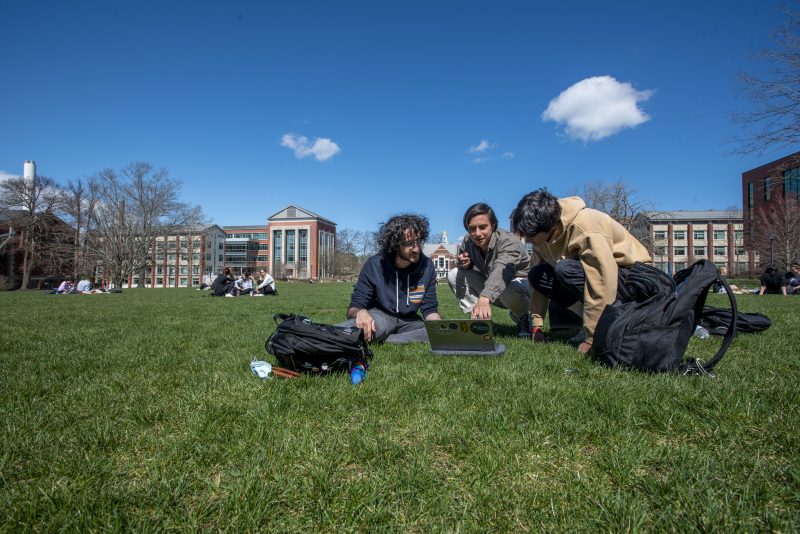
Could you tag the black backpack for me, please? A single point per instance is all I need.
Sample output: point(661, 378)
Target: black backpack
point(649, 327)
point(717, 320)
point(302, 345)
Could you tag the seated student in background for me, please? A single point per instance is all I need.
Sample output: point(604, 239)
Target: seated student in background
point(492, 270)
point(772, 282)
point(395, 284)
point(580, 258)
point(223, 284)
point(65, 287)
point(84, 286)
point(266, 286)
point(242, 286)
point(793, 279)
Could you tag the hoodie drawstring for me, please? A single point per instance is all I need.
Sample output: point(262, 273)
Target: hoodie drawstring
point(397, 292)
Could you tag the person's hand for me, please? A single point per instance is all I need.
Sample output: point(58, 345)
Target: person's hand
point(365, 322)
point(584, 347)
point(464, 261)
point(482, 310)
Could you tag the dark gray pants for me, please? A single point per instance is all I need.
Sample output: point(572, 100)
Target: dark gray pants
point(392, 329)
point(565, 283)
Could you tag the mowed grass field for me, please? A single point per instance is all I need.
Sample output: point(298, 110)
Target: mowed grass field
point(139, 412)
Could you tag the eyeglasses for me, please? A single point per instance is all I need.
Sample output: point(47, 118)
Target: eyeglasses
point(412, 243)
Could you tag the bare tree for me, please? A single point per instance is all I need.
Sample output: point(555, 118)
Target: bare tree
point(366, 244)
point(133, 208)
point(774, 121)
point(345, 258)
point(778, 237)
point(33, 202)
point(617, 199)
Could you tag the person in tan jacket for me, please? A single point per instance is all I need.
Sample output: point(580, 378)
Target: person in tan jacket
point(580, 258)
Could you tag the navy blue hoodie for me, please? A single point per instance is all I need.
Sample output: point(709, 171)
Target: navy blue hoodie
point(398, 292)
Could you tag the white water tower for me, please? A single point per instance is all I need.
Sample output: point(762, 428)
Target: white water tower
point(30, 170)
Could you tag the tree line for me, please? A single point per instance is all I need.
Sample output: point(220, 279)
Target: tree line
point(110, 219)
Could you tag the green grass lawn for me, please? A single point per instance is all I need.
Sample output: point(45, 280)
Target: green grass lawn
point(139, 412)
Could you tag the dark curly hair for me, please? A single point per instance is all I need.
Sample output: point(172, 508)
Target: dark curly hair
point(537, 212)
point(392, 232)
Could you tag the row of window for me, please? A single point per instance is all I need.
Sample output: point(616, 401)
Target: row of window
point(680, 235)
point(249, 235)
point(698, 251)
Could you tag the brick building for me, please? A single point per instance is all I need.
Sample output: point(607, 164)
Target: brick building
point(301, 244)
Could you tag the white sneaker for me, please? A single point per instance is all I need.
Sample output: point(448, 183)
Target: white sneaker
point(229, 294)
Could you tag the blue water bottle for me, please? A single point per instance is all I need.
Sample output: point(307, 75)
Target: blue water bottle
point(358, 372)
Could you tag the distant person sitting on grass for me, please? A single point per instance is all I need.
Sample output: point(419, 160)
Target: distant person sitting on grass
point(242, 286)
point(223, 284)
point(266, 286)
point(395, 284)
point(65, 287)
point(772, 282)
point(84, 286)
point(793, 279)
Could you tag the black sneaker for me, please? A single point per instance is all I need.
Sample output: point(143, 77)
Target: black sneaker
point(524, 326)
point(578, 338)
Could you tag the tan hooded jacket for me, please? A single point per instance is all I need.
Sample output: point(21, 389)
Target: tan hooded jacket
point(601, 244)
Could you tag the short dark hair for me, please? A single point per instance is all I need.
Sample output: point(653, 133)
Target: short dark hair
point(226, 270)
point(392, 233)
point(537, 212)
point(480, 208)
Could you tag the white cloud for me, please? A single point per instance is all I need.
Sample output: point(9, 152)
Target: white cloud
point(6, 176)
point(507, 155)
point(597, 107)
point(322, 148)
point(483, 146)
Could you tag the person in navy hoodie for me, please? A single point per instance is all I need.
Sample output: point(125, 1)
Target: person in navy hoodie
point(395, 285)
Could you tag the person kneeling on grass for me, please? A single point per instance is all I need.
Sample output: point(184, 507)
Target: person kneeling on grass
point(266, 286)
point(492, 269)
point(395, 284)
point(581, 257)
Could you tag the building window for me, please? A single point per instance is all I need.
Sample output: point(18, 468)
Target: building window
point(720, 251)
point(659, 251)
point(679, 266)
point(740, 251)
point(277, 246)
point(679, 235)
point(183, 282)
point(679, 251)
point(767, 188)
point(699, 251)
point(303, 235)
point(220, 257)
point(208, 256)
point(659, 234)
point(171, 282)
point(719, 235)
point(791, 183)
point(262, 259)
point(159, 281)
point(290, 246)
point(184, 270)
point(220, 246)
point(195, 281)
point(159, 269)
point(699, 234)
point(195, 269)
point(738, 235)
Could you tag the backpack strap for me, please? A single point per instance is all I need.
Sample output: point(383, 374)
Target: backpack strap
point(692, 366)
point(283, 317)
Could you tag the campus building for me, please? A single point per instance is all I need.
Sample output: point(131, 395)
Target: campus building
point(301, 244)
point(182, 259)
point(443, 255)
point(679, 238)
point(765, 186)
point(246, 248)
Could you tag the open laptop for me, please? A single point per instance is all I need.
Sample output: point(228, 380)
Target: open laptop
point(463, 336)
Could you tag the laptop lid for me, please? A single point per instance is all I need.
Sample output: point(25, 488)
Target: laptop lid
point(463, 336)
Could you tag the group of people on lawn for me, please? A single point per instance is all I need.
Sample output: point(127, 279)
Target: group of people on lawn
point(225, 285)
point(580, 258)
point(84, 287)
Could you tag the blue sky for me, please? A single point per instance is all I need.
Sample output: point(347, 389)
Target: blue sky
point(360, 110)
